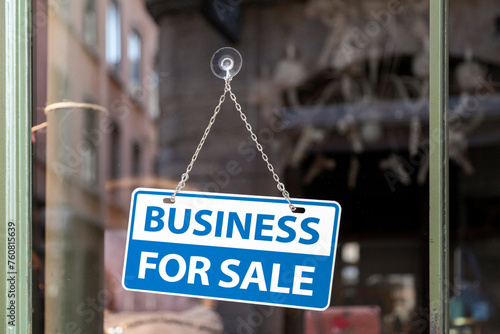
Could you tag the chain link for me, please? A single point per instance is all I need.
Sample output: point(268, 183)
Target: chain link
point(185, 176)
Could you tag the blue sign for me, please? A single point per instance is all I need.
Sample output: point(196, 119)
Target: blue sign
point(247, 249)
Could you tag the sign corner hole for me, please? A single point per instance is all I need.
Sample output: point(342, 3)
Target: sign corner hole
point(299, 210)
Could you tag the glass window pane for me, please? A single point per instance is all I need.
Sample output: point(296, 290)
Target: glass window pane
point(474, 147)
point(337, 93)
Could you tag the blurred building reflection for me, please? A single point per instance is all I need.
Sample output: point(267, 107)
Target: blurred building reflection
point(104, 54)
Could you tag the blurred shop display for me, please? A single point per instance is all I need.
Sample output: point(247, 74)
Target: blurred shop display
point(343, 320)
point(471, 303)
point(360, 85)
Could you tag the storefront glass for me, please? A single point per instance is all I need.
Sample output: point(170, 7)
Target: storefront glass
point(337, 93)
point(473, 149)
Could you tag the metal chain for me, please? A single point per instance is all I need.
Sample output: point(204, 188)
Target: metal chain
point(185, 176)
point(280, 186)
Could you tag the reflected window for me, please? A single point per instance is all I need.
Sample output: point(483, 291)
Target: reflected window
point(89, 149)
point(90, 23)
point(152, 82)
point(136, 159)
point(134, 58)
point(113, 36)
point(115, 152)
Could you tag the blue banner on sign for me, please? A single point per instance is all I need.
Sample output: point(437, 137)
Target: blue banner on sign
point(265, 259)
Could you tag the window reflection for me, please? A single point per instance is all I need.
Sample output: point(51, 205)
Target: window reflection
point(90, 23)
point(134, 57)
point(113, 36)
point(97, 131)
point(115, 159)
point(136, 159)
point(89, 167)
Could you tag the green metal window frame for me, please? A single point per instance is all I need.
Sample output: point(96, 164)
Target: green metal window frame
point(438, 167)
point(15, 169)
point(15, 166)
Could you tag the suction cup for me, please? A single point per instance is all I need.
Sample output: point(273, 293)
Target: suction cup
point(226, 62)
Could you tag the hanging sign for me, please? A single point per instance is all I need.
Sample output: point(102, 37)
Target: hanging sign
point(241, 248)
